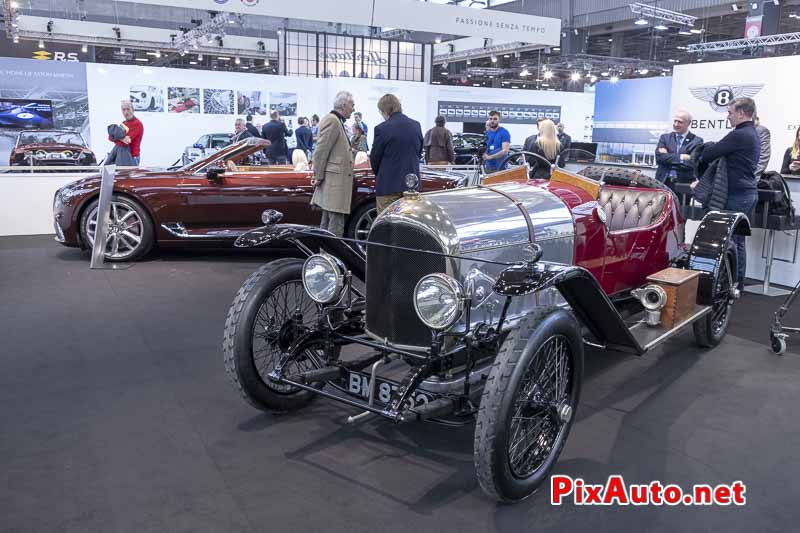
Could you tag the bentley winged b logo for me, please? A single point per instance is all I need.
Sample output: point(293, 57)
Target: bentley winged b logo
point(719, 97)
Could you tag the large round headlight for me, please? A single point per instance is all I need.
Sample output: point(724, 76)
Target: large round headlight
point(323, 278)
point(438, 300)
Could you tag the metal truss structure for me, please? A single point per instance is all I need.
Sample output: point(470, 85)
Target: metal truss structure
point(741, 44)
point(654, 12)
point(475, 53)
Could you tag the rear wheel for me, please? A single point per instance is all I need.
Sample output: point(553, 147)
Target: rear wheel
point(361, 222)
point(130, 232)
point(709, 330)
point(528, 405)
point(259, 328)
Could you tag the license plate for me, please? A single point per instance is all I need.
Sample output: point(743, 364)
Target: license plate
point(358, 385)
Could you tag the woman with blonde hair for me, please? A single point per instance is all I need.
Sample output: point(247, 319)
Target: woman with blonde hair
point(547, 146)
point(299, 160)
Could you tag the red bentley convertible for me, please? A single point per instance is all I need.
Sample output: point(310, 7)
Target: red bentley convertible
point(206, 203)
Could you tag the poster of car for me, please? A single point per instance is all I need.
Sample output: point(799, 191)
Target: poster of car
point(147, 98)
point(21, 113)
point(183, 100)
point(217, 102)
point(250, 103)
point(283, 103)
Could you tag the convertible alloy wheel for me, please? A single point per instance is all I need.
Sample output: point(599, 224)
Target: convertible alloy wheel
point(130, 232)
point(363, 219)
point(528, 405)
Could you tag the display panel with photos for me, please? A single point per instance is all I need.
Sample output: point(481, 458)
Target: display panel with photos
point(283, 103)
point(21, 113)
point(147, 98)
point(509, 113)
point(183, 100)
point(251, 103)
point(218, 102)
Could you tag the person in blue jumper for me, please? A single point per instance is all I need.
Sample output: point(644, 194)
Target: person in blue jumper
point(741, 149)
point(498, 141)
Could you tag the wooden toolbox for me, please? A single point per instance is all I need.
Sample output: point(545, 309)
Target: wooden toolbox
point(681, 288)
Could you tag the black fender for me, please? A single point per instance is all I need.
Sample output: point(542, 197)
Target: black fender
point(305, 239)
point(583, 293)
point(710, 244)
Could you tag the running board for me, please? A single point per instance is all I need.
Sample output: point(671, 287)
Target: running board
point(650, 337)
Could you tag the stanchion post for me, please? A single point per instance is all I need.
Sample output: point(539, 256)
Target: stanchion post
point(107, 174)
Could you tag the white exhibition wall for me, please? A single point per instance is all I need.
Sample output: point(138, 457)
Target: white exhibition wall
point(167, 134)
point(771, 82)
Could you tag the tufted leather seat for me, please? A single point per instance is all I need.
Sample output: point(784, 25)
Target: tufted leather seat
point(630, 209)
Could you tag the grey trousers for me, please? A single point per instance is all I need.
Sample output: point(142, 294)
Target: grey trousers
point(333, 222)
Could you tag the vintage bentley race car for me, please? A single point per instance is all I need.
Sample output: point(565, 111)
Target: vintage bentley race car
point(476, 303)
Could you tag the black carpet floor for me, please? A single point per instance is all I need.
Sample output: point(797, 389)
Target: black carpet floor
point(116, 416)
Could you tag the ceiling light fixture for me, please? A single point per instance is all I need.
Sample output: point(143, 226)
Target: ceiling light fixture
point(199, 57)
point(237, 60)
point(735, 7)
point(494, 59)
point(643, 71)
point(14, 4)
point(41, 43)
point(696, 31)
point(84, 48)
point(438, 40)
point(660, 27)
point(548, 74)
point(593, 78)
point(614, 79)
point(575, 76)
point(641, 21)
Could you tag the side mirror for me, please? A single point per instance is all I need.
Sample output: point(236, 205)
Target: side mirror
point(214, 174)
point(198, 146)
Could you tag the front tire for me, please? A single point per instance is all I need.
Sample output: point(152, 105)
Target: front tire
point(130, 234)
point(528, 405)
point(255, 335)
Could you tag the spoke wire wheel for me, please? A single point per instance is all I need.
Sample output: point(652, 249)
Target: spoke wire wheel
point(125, 230)
point(722, 299)
point(270, 330)
point(542, 397)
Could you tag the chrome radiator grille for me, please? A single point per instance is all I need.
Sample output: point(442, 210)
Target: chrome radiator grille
point(391, 277)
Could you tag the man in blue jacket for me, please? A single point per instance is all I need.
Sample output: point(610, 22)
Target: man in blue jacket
point(674, 152)
point(304, 136)
point(741, 149)
point(396, 150)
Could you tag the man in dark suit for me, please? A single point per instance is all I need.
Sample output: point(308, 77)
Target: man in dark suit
point(275, 131)
point(563, 138)
point(304, 136)
point(251, 127)
point(674, 152)
point(396, 150)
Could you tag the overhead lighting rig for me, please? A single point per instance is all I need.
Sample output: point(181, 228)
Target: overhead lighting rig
point(214, 27)
point(742, 44)
point(653, 12)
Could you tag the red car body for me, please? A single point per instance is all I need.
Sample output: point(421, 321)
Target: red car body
point(188, 207)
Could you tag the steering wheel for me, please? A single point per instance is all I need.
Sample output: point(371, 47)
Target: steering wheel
point(521, 158)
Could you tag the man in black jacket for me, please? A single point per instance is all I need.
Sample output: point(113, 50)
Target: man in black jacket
point(741, 149)
point(395, 151)
point(304, 136)
point(275, 131)
point(674, 152)
point(251, 127)
point(563, 138)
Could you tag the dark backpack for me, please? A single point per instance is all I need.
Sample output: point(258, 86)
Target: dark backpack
point(774, 181)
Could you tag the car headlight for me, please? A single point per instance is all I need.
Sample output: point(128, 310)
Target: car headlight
point(323, 278)
point(438, 301)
